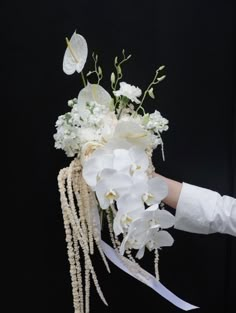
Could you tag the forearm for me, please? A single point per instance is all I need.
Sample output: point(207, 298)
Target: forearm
point(174, 190)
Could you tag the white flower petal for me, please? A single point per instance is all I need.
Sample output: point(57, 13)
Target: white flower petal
point(164, 218)
point(129, 91)
point(94, 166)
point(122, 161)
point(140, 253)
point(111, 186)
point(133, 133)
point(162, 239)
point(158, 190)
point(76, 55)
point(130, 202)
point(95, 93)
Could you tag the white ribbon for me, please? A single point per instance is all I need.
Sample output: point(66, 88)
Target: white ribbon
point(140, 274)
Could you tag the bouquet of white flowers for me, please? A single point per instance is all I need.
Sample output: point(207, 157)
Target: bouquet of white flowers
point(111, 139)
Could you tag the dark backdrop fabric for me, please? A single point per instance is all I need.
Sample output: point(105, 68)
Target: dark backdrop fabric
point(194, 39)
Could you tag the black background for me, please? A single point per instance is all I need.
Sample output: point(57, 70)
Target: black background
point(194, 39)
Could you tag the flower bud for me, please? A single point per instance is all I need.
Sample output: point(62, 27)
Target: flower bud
point(70, 103)
point(151, 93)
point(100, 70)
point(161, 67)
point(113, 78)
point(119, 71)
point(161, 78)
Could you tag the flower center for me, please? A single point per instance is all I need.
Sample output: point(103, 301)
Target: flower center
point(147, 197)
point(111, 195)
point(134, 167)
point(126, 220)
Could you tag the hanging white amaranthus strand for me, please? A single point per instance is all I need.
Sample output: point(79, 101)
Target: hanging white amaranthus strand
point(75, 237)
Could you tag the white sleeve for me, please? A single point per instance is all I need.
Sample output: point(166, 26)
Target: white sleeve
point(204, 211)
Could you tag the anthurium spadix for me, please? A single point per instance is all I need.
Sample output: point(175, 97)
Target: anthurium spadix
point(75, 55)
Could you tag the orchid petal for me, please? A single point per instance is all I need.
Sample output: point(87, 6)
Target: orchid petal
point(158, 188)
point(162, 239)
point(165, 218)
point(140, 253)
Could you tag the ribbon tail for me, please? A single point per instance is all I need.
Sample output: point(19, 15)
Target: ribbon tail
point(145, 277)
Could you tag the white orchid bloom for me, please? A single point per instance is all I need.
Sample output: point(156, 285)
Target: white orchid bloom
point(93, 167)
point(137, 236)
point(156, 190)
point(111, 187)
point(131, 161)
point(129, 209)
point(147, 230)
point(129, 134)
point(160, 217)
point(75, 55)
point(129, 91)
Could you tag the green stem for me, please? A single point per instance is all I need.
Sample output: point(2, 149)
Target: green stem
point(154, 82)
point(83, 79)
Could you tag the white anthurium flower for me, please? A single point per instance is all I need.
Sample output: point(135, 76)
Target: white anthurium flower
point(129, 91)
point(156, 190)
point(94, 93)
point(75, 55)
point(111, 187)
point(93, 167)
point(131, 134)
point(131, 161)
point(129, 209)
